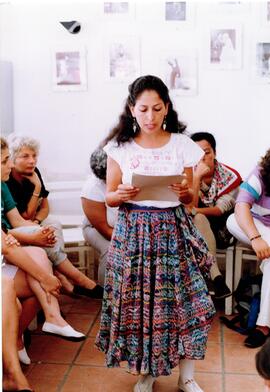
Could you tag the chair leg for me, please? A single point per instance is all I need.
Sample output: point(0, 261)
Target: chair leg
point(229, 280)
point(90, 262)
point(237, 266)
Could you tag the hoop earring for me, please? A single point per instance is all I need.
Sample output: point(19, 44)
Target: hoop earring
point(134, 126)
point(164, 125)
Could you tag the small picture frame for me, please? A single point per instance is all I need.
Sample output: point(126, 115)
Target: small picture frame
point(224, 47)
point(178, 13)
point(118, 10)
point(121, 58)
point(266, 13)
point(179, 70)
point(261, 61)
point(69, 69)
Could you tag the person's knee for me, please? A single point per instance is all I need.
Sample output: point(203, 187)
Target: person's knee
point(40, 257)
point(231, 223)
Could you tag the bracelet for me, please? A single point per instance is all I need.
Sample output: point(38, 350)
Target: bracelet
point(37, 220)
point(254, 238)
point(35, 194)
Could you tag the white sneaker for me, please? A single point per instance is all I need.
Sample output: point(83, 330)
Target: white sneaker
point(66, 332)
point(144, 384)
point(189, 386)
point(23, 357)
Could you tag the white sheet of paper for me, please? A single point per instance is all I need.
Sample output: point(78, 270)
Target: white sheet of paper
point(155, 187)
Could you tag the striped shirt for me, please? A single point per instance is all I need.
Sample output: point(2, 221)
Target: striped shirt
point(252, 191)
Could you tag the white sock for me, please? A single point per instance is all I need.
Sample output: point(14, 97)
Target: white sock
point(186, 370)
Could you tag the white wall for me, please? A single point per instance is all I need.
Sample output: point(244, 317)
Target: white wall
point(70, 125)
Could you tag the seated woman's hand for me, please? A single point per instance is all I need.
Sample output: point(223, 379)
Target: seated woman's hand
point(44, 237)
point(51, 285)
point(10, 240)
point(126, 192)
point(261, 248)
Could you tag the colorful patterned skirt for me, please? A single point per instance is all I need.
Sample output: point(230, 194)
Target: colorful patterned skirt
point(156, 308)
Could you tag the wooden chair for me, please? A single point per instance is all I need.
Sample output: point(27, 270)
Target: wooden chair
point(74, 242)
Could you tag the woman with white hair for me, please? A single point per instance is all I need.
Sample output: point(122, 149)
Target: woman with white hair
point(28, 191)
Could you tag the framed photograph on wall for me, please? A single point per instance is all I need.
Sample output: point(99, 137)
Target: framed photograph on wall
point(179, 70)
point(115, 10)
point(224, 47)
point(261, 61)
point(266, 13)
point(122, 58)
point(69, 69)
point(179, 12)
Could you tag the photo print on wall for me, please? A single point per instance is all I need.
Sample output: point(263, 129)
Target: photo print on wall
point(225, 47)
point(263, 62)
point(122, 58)
point(118, 10)
point(180, 73)
point(178, 12)
point(69, 69)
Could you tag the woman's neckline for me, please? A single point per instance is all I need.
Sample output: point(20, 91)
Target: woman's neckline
point(154, 148)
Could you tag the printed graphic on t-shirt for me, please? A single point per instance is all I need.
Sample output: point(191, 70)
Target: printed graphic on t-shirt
point(152, 162)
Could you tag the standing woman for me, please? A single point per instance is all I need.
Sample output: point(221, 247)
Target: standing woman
point(156, 310)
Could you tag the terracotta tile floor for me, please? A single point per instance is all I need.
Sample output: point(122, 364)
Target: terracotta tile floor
point(61, 366)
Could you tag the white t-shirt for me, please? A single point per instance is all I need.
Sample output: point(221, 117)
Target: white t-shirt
point(95, 189)
point(171, 159)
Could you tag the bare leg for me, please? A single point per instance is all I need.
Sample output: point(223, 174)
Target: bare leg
point(30, 307)
point(13, 378)
point(71, 272)
point(51, 310)
point(67, 286)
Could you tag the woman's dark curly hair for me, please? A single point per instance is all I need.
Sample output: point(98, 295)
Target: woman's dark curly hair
point(123, 131)
point(265, 172)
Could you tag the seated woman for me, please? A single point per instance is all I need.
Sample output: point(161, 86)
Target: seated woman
point(31, 271)
point(99, 218)
point(34, 275)
point(13, 377)
point(250, 224)
point(28, 232)
point(215, 186)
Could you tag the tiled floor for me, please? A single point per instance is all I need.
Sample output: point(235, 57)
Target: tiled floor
point(61, 366)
